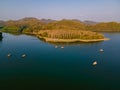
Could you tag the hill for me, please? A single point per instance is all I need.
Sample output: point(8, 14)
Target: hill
point(31, 24)
point(105, 27)
point(65, 25)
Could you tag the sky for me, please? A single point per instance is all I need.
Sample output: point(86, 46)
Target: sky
point(95, 10)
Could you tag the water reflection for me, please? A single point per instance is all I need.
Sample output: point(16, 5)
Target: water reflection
point(70, 43)
point(1, 37)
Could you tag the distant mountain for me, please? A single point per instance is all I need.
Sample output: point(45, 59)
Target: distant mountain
point(28, 18)
point(87, 22)
point(77, 20)
point(66, 24)
point(47, 20)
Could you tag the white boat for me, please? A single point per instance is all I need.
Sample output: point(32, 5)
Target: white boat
point(24, 55)
point(62, 47)
point(94, 63)
point(9, 55)
point(56, 46)
point(101, 50)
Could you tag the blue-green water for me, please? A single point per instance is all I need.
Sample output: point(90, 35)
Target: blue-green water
point(70, 68)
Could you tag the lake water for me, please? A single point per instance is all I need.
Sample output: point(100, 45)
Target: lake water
point(68, 68)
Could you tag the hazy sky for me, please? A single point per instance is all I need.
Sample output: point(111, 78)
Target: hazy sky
point(96, 10)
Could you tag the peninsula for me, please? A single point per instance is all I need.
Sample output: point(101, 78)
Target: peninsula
point(70, 36)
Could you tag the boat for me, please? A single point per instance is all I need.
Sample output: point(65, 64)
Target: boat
point(9, 55)
point(101, 50)
point(24, 55)
point(56, 46)
point(62, 47)
point(94, 63)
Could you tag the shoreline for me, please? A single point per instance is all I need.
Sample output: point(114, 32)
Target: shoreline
point(71, 40)
point(66, 40)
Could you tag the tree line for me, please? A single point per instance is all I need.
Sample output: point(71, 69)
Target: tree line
point(70, 34)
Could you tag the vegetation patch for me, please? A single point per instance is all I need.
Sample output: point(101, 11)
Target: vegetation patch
point(70, 36)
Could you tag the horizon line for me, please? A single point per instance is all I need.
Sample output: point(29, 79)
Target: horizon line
point(58, 19)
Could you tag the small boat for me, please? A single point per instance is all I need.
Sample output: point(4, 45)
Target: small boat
point(94, 63)
point(62, 47)
point(101, 50)
point(56, 46)
point(24, 55)
point(9, 55)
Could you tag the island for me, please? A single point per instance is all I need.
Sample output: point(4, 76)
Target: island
point(64, 30)
point(70, 36)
